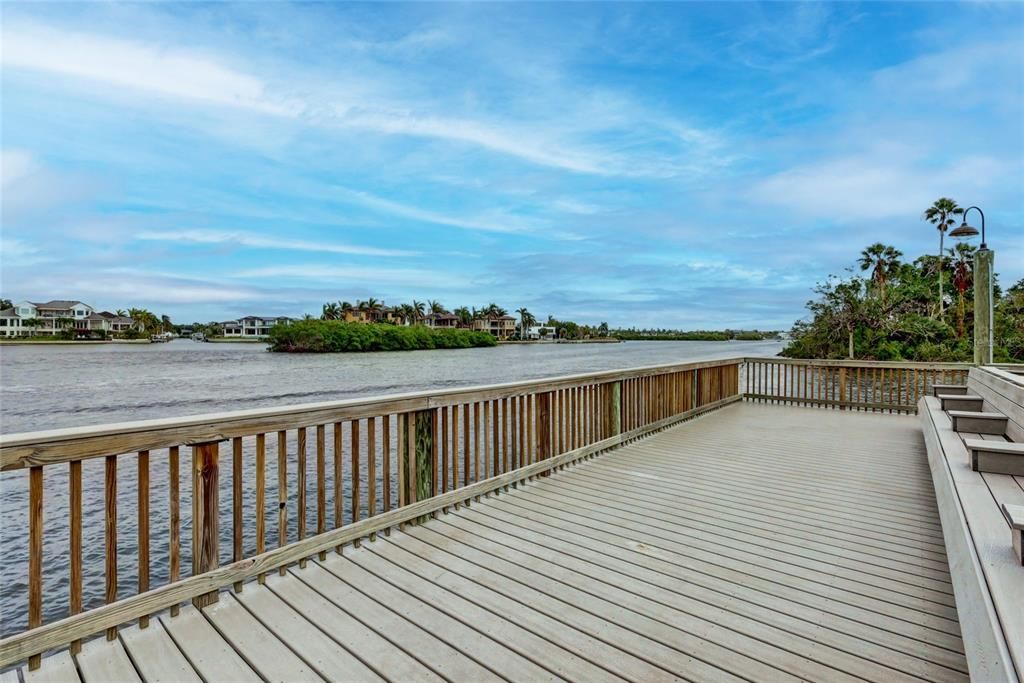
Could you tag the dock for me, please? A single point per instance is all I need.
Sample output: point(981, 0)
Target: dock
point(743, 519)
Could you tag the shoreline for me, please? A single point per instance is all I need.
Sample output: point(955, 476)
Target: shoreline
point(70, 342)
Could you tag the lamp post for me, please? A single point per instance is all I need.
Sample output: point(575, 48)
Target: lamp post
point(984, 259)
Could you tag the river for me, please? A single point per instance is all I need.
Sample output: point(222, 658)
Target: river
point(49, 387)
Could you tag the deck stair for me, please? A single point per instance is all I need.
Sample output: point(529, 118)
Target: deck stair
point(961, 402)
point(978, 422)
point(998, 457)
point(948, 389)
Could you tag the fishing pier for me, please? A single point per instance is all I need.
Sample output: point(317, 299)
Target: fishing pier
point(755, 519)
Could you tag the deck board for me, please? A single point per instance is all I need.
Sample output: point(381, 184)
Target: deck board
point(156, 656)
point(758, 543)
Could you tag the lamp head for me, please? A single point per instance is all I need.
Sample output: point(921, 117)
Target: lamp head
point(964, 231)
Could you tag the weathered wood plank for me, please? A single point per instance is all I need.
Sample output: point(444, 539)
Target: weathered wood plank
point(156, 656)
point(213, 658)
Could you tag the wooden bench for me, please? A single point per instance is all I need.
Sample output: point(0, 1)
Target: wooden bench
point(980, 522)
point(961, 402)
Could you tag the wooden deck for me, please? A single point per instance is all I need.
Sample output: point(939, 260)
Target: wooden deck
point(758, 543)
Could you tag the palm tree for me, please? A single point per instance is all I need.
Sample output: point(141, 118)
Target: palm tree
point(883, 260)
point(526, 319)
point(165, 323)
point(464, 315)
point(940, 214)
point(121, 312)
point(419, 309)
point(435, 306)
point(330, 311)
point(344, 308)
point(32, 323)
point(963, 276)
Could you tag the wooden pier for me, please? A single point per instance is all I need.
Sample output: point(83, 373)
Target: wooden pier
point(743, 519)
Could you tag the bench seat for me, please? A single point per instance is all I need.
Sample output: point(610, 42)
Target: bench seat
point(977, 422)
point(985, 567)
point(961, 402)
point(999, 457)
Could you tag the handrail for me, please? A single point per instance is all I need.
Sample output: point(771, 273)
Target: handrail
point(878, 386)
point(46, 447)
point(419, 452)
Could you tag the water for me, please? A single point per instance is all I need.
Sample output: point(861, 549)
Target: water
point(49, 387)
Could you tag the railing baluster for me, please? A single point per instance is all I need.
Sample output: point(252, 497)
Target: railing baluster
point(444, 449)
point(455, 448)
point(261, 497)
point(476, 441)
point(142, 507)
point(386, 461)
point(110, 534)
point(300, 481)
point(354, 426)
point(465, 445)
point(338, 493)
point(75, 550)
point(282, 492)
point(174, 520)
point(321, 483)
point(236, 505)
point(35, 555)
point(371, 466)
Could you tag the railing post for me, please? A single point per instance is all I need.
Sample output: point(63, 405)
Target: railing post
point(205, 506)
point(842, 388)
point(415, 457)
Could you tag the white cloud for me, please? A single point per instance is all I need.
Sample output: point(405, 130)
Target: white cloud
point(366, 103)
point(263, 242)
point(330, 274)
point(126, 64)
point(15, 164)
point(499, 222)
point(874, 185)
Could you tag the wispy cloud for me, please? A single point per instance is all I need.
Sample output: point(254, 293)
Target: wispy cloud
point(356, 276)
point(257, 241)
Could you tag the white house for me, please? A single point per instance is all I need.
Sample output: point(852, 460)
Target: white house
point(252, 326)
point(53, 317)
point(541, 332)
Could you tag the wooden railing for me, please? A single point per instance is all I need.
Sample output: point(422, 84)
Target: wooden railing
point(893, 387)
point(344, 472)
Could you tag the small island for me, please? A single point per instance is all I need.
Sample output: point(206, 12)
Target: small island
point(334, 336)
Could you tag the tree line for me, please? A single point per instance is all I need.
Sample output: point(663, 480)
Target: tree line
point(889, 308)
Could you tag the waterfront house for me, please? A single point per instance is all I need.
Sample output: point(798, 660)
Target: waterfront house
point(252, 326)
point(500, 326)
point(29, 318)
point(443, 321)
point(376, 315)
point(538, 332)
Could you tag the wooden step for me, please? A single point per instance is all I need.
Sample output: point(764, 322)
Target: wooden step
point(977, 422)
point(998, 457)
point(961, 401)
point(948, 389)
point(1015, 516)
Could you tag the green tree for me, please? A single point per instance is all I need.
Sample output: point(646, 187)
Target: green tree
point(963, 278)
point(941, 214)
point(331, 311)
point(435, 306)
point(883, 261)
point(5, 304)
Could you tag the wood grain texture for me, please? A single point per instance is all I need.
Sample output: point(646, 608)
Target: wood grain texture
point(35, 553)
point(75, 543)
point(205, 514)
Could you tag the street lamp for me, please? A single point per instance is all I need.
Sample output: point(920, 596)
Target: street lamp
point(966, 231)
point(984, 259)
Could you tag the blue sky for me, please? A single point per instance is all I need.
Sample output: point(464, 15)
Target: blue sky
point(674, 165)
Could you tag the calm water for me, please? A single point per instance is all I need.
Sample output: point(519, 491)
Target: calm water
point(46, 387)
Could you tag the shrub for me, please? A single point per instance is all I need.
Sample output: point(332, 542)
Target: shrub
point(336, 336)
